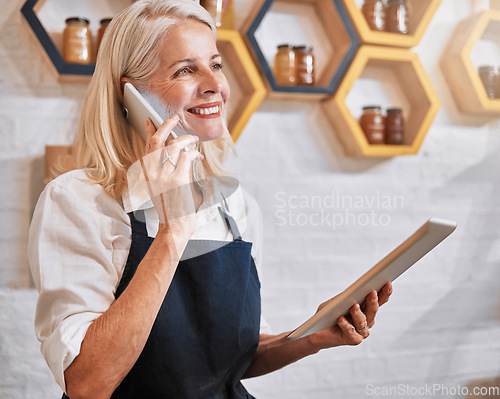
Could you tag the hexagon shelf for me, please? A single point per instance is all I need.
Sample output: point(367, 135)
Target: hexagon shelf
point(63, 69)
point(246, 82)
point(421, 13)
point(415, 86)
point(338, 34)
point(59, 157)
point(244, 75)
point(457, 63)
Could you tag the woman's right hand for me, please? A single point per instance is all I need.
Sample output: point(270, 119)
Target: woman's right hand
point(168, 181)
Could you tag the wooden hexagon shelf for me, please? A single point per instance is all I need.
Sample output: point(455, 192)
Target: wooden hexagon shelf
point(245, 76)
point(338, 32)
point(416, 87)
point(421, 11)
point(459, 70)
point(63, 70)
point(59, 158)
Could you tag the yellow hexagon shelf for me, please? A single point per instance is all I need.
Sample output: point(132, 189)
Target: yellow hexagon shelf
point(247, 88)
point(422, 103)
point(245, 81)
point(458, 67)
point(421, 13)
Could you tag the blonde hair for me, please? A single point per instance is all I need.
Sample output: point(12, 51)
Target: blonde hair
point(107, 144)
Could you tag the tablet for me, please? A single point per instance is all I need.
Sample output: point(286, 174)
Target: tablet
point(388, 269)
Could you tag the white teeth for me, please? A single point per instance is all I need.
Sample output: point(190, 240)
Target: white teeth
point(205, 111)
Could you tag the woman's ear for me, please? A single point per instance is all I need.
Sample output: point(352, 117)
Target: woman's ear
point(124, 80)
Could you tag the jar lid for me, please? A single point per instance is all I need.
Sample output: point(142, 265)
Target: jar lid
point(303, 47)
point(285, 45)
point(105, 21)
point(395, 110)
point(372, 108)
point(78, 19)
point(486, 68)
point(396, 1)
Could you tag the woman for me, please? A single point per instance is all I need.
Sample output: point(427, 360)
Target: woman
point(112, 319)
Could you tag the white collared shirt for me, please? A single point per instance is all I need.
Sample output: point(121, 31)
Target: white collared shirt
point(78, 246)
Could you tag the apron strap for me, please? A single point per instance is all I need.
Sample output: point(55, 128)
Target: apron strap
point(230, 222)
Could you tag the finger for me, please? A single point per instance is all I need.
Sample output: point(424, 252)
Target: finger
point(185, 160)
point(350, 333)
point(159, 137)
point(370, 308)
point(150, 129)
point(359, 321)
point(385, 293)
point(179, 143)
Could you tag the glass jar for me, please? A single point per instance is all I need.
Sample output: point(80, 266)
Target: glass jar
point(372, 124)
point(100, 33)
point(284, 65)
point(304, 65)
point(374, 12)
point(394, 126)
point(397, 16)
point(222, 11)
point(497, 86)
point(489, 78)
point(77, 41)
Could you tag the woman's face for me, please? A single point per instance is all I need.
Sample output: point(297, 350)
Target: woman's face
point(190, 82)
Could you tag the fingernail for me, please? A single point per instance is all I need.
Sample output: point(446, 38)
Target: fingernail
point(175, 117)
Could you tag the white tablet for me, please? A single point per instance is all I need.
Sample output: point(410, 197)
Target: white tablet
point(388, 269)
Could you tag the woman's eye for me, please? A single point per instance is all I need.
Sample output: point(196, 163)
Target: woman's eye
point(182, 71)
point(217, 66)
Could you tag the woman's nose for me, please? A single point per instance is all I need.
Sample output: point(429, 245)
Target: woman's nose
point(210, 83)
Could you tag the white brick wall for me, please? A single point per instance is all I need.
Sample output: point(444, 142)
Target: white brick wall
point(442, 325)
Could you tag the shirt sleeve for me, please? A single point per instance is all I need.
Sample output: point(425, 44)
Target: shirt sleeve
point(254, 233)
point(71, 259)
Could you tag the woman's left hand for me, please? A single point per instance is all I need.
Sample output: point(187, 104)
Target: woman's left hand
point(354, 328)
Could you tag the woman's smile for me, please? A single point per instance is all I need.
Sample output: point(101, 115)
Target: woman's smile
point(209, 110)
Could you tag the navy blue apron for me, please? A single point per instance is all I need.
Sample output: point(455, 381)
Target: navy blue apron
point(207, 330)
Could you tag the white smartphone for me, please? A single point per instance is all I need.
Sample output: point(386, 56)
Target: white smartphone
point(388, 269)
point(137, 109)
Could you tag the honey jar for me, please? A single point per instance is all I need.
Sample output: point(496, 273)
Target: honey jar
point(488, 78)
point(284, 65)
point(77, 41)
point(222, 11)
point(374, 13)
point(394, 126)
point(100, 33)
point(372, 124)
point(397, 16)
point(497, 86)
point(304, 65)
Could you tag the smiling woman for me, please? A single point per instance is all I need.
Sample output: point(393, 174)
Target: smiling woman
point(132, 304)
point(190, 81)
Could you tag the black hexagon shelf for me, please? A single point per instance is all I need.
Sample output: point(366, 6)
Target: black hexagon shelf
point(61, 67)
point(340, 32)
